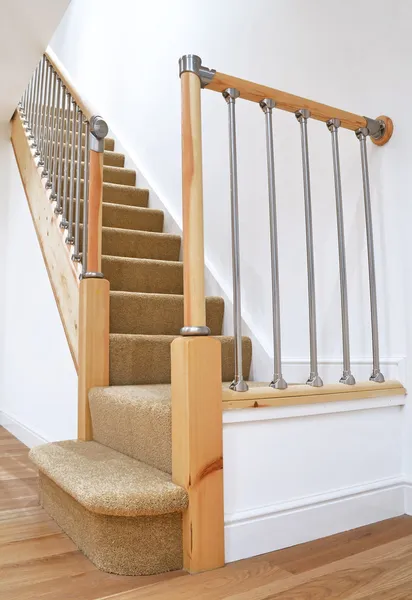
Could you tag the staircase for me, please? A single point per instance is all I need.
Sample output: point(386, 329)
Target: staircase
point(114, 495)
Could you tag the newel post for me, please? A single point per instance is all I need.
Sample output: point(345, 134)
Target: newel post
point(94, 292)
point(196, 359)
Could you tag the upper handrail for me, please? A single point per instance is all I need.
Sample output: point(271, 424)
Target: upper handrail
point(380, 129)
point(87, 109)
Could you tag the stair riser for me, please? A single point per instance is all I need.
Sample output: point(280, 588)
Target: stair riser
point(121, 545)
point(126, 217)
point(157, 315)
point(139, 245)
point(116, 194)
point(153, 278)
point(142, 361)
point(110, 174)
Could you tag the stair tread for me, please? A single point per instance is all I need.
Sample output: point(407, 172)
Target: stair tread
point(107, 482)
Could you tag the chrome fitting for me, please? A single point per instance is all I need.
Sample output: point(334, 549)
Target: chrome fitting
point(302, 113)
point(239, 386)
point(53, 197)
point(58, 211)
point(362, 133)
point(267, 104)
point(76, 257)
point(375, 127)
point(314, 381)
point(70, 240)
point(191, 63)
point(91, 275)
point(230, 95)
point(278, 383)
point(64, 224)
point(193, 330)
point(377, 376)
point(347, 379)
point(98, 131)
point(48, 185)
point(333, 124)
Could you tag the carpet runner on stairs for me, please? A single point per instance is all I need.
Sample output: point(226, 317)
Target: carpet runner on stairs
point(114, 496)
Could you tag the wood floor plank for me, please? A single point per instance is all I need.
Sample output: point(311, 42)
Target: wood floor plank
point(38, 561)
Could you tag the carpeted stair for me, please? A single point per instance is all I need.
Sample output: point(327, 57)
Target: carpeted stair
point(114, 496)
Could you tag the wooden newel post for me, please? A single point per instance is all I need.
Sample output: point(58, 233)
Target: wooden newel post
point(94, 289)
point(196, 362)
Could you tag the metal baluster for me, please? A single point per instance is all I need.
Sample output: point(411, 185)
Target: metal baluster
point(64, 222)
point(33, 109)
point(376, 376)
point(76, 255)
point(347, 377)
point(47, 120)
point(238, 384)
point(70, 237)
point(37, 112)
point(29, 108)
point(42, 112)
point(267, 105)
point(58, 209)
point(57, 119)
point(314, 378)
point(26, 91)
point(52, 130)
point(86, 199)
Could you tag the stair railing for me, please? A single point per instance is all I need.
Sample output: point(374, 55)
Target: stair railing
point(67, 145)
point(197, 399)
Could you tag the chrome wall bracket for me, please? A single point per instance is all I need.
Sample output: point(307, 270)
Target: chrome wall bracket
point(191, 63)
point(91, 275)
point(376, 128)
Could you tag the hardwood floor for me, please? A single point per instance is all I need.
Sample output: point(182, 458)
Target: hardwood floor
point(38, 561)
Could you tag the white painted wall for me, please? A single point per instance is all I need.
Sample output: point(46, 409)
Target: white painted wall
point(291, 44)
point(38, 381)
point(25, 29)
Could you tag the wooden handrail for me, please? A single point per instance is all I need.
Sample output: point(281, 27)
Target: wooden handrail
point(291, 103)
point(86, 108)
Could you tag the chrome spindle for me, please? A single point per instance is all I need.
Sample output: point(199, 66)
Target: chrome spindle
point(37, 111)
point(70, 236)
point(47, 121)
point(376, 375)
point(267, 105)
point(238, 384)
point(58, 209)
point(76, 254)
point(64, 222)
point(26, 91)
point(42, 113)
point(52, 130)
point(86, 199)
point(55, 157)
point(314, 378)
point(347, 377)
point(33, 109)
point(29, 110)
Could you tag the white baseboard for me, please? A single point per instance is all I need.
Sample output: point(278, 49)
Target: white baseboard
point(20, 431)
point(271, 528)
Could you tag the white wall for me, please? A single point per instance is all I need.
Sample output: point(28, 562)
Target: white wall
point(291, 45)
point(38, 381)
point(25, 29)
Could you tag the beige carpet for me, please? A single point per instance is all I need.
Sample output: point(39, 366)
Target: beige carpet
point(114, 496)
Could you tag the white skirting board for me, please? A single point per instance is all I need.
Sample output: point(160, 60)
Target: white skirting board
point(283, 526)
point(20, 431)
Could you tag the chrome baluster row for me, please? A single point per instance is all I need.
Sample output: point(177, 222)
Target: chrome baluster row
point(333, 125)
point(55, 126)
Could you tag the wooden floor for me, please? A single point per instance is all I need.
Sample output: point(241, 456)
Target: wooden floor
point(38, 561)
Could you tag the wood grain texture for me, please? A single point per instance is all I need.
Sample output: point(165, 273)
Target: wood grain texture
point(192, 202)
point(260, 397)
point(197, 452)
point(63, 272)
point(285, 101)
point(94, 317)
point(94, 232)
point(369, 563)
point(388, 131)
